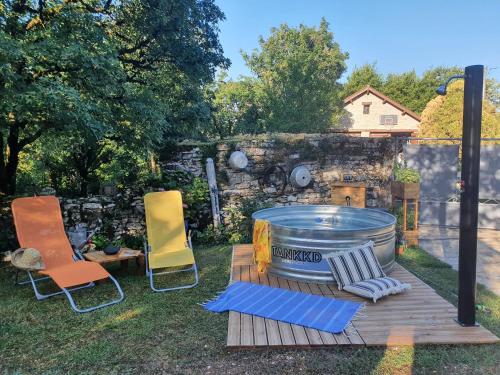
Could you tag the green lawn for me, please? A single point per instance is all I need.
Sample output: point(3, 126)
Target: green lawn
point(170, 333)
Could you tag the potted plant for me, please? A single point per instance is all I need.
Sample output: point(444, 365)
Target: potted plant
point(400, 241)
point(406, 184)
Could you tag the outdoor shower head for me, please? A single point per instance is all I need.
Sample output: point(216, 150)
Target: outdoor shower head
point(441, 90)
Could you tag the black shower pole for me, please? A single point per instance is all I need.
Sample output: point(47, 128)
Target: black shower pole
point(471, 144)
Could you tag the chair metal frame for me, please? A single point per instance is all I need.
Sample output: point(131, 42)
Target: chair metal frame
point(151, 274)
point(67, 291)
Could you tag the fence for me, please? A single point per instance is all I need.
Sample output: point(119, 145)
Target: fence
point(437, 160)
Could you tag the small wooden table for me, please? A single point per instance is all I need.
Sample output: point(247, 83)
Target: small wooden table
point(122, 256)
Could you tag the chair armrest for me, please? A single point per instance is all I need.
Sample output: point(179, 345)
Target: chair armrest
point(147, 249)
point(189, 243)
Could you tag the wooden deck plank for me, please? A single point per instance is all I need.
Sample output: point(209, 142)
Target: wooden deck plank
point(327, 337)
point(259, 324)
point(299, 332)
point(419, 316)
point(312, 334)
point(247, 338)
point(285, 329)
point(236, 273)
point(352, 336)
point(278, 333)
point(243, 257)
point(234, 321)
point(233, 329)
point(340, 338)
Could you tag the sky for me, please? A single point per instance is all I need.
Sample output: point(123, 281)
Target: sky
point(397, 35)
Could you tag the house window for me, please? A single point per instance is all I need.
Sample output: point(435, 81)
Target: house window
point(366, 108)
point(388, 119)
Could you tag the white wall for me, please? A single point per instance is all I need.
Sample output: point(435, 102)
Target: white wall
point(356, 120)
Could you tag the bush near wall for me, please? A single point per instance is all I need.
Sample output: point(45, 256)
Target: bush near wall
point(120, 217)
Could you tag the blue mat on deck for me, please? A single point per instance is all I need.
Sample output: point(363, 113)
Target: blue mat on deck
point(308, 310)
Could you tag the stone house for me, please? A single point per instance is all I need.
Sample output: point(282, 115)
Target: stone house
point(369, 113)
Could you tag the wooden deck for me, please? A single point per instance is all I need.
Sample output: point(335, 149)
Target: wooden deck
point(419, 316)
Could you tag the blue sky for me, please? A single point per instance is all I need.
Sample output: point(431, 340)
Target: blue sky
point(397, 35)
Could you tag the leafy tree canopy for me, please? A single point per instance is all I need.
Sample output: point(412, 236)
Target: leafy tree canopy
point(443, 116)
point(365, 75)
point(299, 69)
point(236, 107)
point(128, 71)
point(406, 88)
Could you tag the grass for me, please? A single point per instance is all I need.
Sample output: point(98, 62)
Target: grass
point(169, 333)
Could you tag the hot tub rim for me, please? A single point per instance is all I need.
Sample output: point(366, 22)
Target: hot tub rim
point(335, 230)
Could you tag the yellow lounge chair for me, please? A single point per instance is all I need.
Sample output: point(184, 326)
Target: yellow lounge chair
point(167, 244)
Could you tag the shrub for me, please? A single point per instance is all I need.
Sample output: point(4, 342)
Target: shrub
point(410, 217)
point(195, 195)
point(130, 241)
point(197, 199)
point(238, 223)
point(100, 241)
point(211, 235)
point(238, 218)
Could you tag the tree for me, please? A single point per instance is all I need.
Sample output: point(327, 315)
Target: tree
point(299, 69)
point(48, 74)
point(415, 92)
point(493, 92)
point(443, 116)
point(172, 47)
point(366, 75)
point(430, 81)
point(236, 107)
point(101, 67)
point(406, 88)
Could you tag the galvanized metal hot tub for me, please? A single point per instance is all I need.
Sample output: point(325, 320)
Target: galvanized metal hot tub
point(303, 236)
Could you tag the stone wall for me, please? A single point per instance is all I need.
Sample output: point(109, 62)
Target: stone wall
point(122, 214)
point(189, 160)
point(329, 159)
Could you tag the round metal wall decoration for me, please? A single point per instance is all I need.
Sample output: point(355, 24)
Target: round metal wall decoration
point(300, 177)
point(238, 160)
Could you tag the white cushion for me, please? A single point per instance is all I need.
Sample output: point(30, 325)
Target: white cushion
point(377, 288)
point(355, 264)
point(358, 271)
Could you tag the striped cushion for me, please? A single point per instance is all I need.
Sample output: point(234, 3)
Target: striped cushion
point(355, 264)
point(377, 288)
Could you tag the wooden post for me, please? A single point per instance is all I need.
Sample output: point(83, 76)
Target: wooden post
point(405, 202)
point(416, 215)
point(214, 191)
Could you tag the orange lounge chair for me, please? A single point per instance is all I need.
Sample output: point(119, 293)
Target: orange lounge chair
point(39, 224)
